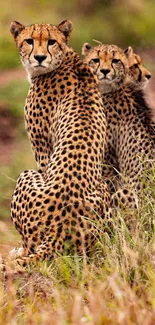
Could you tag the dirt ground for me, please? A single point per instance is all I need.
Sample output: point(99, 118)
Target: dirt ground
point(8, 76)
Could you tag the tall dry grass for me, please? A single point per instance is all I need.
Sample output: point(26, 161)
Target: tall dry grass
point(116, 285)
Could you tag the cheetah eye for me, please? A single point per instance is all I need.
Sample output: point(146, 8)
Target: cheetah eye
point(135, 65)
point(115, 60)
point(29, 41)
point(51, 41)
point(96, 60)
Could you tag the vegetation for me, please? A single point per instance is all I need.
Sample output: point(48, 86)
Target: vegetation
point(15, 132)
point(116, 285)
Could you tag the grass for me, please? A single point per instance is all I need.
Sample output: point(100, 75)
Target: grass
point(13, 97)
point(18, 159)
point(115, 286)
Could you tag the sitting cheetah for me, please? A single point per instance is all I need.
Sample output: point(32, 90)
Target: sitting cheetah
point(130, 144)
point(65, 205)
point(136, 69)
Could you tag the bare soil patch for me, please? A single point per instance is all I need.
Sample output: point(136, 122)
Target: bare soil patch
point(7, 134)
point(9, 76)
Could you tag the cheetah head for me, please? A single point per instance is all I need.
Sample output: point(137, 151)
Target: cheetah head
point(136, 69)
point(110, 64)
point(42, 47)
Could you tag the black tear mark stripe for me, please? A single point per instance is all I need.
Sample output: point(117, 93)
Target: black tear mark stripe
point(32, 44)
point(21, 45)
point(140, 74)
point(123, 65)
point(97, 67)
point(113, 68)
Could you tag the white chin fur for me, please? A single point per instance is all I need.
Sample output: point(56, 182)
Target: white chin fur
point(105, 86)
point(145, 83)
point(35, 72)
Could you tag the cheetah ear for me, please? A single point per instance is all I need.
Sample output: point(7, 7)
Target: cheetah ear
point(86, 48)
point(16, 28)
point(128, 51)
point(65, 27)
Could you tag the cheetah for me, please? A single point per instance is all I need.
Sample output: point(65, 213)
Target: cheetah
point(136, 69)
point(130, 144)
point(64, 206)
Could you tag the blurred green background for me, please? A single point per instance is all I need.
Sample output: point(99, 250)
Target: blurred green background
point(122, 22)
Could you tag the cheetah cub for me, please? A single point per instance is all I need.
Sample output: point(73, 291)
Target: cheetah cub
point(130, 140)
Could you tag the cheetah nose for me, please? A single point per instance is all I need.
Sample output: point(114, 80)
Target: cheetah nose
point(40, 58)
point(105, 71)
point(148, 76)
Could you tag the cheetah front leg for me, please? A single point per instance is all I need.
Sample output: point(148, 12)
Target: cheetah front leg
point(101, 204)
point(125, 202)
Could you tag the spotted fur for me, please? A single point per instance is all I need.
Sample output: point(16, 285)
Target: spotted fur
point(130, 145)
point(64, 206)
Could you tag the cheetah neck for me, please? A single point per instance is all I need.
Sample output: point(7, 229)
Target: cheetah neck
point(128, 99)
point(128, 106)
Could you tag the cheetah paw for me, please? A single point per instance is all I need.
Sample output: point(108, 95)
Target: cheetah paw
point(16, 252)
